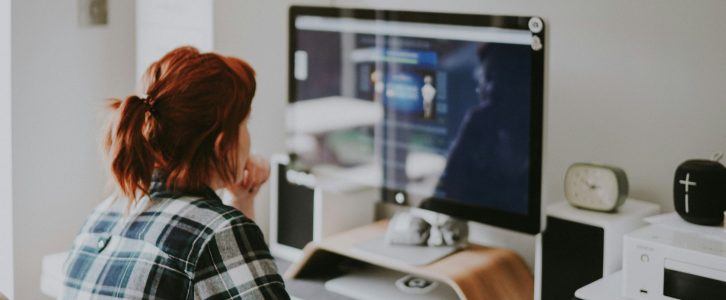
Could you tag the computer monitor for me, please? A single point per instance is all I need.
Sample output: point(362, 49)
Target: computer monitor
point(442, 111)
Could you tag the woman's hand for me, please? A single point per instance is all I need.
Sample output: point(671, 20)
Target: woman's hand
point(255, 174)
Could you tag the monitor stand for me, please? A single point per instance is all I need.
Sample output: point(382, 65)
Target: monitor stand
point(466, 271)
point(411, 255)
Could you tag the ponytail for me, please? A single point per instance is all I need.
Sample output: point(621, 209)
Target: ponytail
point(132, 154)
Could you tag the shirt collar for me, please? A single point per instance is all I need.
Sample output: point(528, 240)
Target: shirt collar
point(158, 189)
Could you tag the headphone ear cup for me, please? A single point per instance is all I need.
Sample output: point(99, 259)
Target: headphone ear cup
point(407, 229)
point(436, 238)
point(455, 232)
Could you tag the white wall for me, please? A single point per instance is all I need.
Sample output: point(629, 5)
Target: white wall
point(638, 84)
point(62, 74)
point(162, 25)
point(6, 193)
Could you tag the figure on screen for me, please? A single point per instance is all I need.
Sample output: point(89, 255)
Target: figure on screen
point(377, 79)
point(489, 158)
point(428, 92)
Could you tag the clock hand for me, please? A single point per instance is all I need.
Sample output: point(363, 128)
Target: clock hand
point(590, 185)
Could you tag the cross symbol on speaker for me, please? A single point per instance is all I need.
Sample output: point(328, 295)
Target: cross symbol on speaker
point(686, 183)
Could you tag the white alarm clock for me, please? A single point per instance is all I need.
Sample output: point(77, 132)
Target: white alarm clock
point(596, 187)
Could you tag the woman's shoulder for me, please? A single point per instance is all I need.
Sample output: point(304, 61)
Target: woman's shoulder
point(215, 215)
point(199, 223)
point(194, 221)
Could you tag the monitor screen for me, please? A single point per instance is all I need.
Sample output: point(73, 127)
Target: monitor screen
point(442, 111)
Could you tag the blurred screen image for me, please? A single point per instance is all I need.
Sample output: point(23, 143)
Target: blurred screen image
point(432, 110)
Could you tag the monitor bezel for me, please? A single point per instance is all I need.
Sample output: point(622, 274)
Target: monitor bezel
point(526, 223)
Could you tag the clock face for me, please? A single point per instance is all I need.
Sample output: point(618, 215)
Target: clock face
point(593, 187)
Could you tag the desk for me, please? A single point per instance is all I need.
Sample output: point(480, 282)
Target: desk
point(477, 272)
point(307, 289)
point(606, 288)
point(51, 274)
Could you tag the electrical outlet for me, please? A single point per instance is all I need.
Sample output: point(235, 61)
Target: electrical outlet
point(93, 12)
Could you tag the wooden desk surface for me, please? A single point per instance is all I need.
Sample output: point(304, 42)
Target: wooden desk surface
point(476, 272)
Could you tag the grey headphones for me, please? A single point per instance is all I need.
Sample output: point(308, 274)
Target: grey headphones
point(406, 228)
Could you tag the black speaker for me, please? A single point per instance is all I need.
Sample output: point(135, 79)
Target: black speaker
point(699, 191)
point(294, 211)
point(572, 257)
point(301, 211)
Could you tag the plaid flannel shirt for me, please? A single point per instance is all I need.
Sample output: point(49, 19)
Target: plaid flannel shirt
point(170, 245)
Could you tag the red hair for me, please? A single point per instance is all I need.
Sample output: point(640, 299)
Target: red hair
point(187, 126)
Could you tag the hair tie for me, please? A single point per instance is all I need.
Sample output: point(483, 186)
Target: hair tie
point(149, 105)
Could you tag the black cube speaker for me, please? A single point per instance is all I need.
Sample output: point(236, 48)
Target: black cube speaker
point(580, 246)
point(296, 203)
point(304, 208)
point(699, 191)
point(566, 267)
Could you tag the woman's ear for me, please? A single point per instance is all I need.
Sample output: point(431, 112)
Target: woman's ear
point(218, 144)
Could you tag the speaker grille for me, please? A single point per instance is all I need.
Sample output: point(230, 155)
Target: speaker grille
point(572, 257)
point(295, 212)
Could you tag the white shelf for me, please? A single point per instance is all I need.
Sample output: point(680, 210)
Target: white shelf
point(316, 116)
point(631, 209)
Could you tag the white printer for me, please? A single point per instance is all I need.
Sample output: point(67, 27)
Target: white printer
point(672, 260)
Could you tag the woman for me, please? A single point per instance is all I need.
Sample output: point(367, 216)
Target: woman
point(166, 234)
